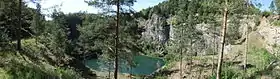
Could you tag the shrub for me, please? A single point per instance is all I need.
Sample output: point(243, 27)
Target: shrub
point(266, 13)
point(227, 74)
point(276, 23)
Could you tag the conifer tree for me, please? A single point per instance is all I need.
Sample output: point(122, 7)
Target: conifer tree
point(224, 28)
point(19, 26)
point(247, 38)
point(117, 42)
point(37, 20)
point(106, 6)
point(272, 7)
point(277, 5)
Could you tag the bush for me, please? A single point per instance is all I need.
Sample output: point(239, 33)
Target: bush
point(266, 13)
point(276, 23)
point(29, 71)
point(227, 74)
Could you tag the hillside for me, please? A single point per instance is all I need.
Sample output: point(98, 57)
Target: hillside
point(32, 65)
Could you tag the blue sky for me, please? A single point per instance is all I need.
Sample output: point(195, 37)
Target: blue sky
point(265, 4)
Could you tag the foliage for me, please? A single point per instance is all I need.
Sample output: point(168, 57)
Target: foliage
point(227, 74)
point(128, 29)
point(272, 6)
point(14, 67)
point(276, 23)
point(4, 39)
point(95, 37)
point(37, 24)
point(266, 13)
point(277, 5)
point(262, 54)
point(107, 5)
point(261, 58)
point(9, 20)
point(55, 36)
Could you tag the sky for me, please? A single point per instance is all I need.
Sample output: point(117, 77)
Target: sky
point(73, 6)
point(265, 4)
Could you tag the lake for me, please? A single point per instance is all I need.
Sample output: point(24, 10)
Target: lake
point(144, 65)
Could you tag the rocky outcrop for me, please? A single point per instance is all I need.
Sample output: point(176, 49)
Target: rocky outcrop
point(211, 39)
point(271, 35)
point(156, 29)
point(159, 29)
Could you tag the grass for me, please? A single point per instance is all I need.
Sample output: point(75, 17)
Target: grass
point(260, 58)
point(228, 73)
point(276, 23)
point(14, 66)
point(263, 59)
point(4, 74)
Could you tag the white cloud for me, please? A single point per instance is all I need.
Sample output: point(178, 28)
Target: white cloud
point(72, 6)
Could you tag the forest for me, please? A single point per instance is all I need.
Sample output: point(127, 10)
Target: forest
point(175, 39)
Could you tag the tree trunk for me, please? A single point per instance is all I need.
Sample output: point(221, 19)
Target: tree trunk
point(181, 60)
point(116, 42)
point(109, 69)
point(219, 69)
point(181, 53)
point(191, 53)
point(213, 56)
point(130, 69)
point(247, 39)
point(19, 27)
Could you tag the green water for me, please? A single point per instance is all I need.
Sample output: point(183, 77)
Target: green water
point(144, 65)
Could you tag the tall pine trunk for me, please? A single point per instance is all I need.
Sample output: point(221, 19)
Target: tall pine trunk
point(38, 9)
point(181, 53)
point(109, 69)
point(116, 42)
point(191, 53)
point(19, 27)
point(247, 39)
point(224, 28)
point(213, 56)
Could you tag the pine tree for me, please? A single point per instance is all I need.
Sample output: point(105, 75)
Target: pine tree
point(277, 5)
point(19, 26)
point(224, 28)
point(122, 43)
point(117, 42)
point(272, 7)
point(9, 21)
point(247, 39)
point(37, 20)
point(185, 32)
point(55, 39)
